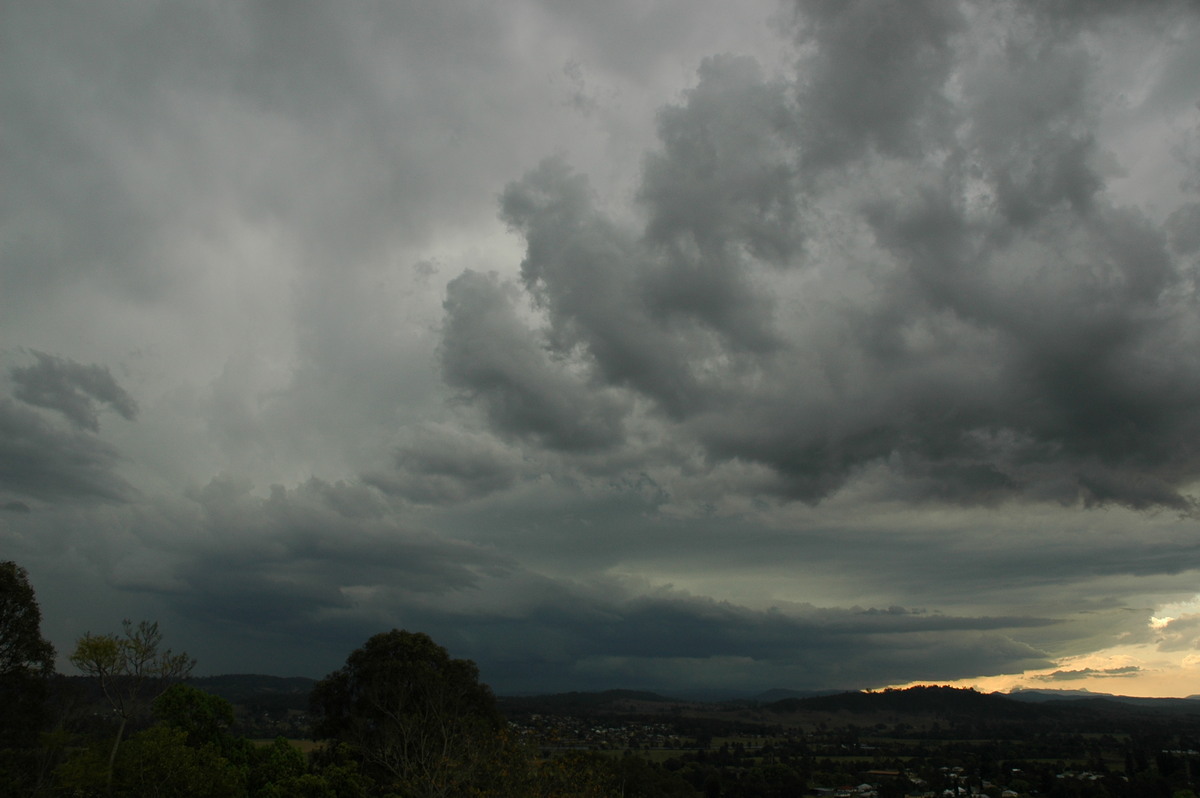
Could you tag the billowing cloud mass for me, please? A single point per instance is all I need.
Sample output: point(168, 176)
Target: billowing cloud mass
point(677, 345)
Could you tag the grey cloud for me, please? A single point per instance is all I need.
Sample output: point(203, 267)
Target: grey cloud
point(1183, 227)
point(268, 162)
point(689, 627)
point(1089, 673)
point(299, 81)
point(985, 322)
point(719, 196)
point(1031, 130)
point(875, 78)
point(583, 270)
point(331, 562)
point(292, 558)
point(83, 204)
point(489, 353)
point(629, 37)
point(72, 389)
point(1076, 12)
point(1036, 100)
point(1082, 374)
point(443, 465)
point(673, 642)
point(1180, 634)
point(530, 632)
point(40, 460)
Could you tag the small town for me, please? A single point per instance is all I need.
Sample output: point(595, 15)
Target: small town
point(976, 749)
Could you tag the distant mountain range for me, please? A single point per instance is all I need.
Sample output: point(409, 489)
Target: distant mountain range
point(1060, 695)
point(779, 694)
point(234, 687)
point(915, 704)
point(257, 690)
point(575, 703)
point(274, 692)
point(948, 702)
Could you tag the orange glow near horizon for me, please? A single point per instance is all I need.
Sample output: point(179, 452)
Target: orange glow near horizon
point(1135, 670)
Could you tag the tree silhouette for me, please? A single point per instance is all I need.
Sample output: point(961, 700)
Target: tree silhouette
point(415, 718)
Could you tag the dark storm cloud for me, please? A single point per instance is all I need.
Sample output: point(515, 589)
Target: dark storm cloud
point(529, 632)
point(488, 353)
point(72, 389)
point(875, 77)
point(964, 303)
point(674, 641)
point(446, 466)
point(1095, 386)
point(582, 270)
point(292, 558)
point(329, 561)
point(722, 189)
point(41, 460)
point(653, 626)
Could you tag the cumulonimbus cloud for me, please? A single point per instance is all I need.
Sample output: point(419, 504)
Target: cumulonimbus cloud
point(937, 281)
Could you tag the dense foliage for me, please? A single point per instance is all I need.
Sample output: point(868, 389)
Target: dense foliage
point(26, 665)
point(413, 718)
point(132, 669)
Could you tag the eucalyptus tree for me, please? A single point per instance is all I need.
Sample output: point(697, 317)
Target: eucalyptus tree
point(131, 670)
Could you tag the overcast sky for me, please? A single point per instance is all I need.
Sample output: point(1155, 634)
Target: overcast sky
point(671, 344)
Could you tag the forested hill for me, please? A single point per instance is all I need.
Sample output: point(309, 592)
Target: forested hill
point(583, 703)
point(940, 701)
point(239, 688)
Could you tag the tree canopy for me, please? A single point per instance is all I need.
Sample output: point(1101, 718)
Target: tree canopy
point(26, 658)
point(131, 669)
point(22, 647)
point(416, 719)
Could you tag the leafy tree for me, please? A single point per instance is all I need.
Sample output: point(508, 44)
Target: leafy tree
point(205, 717)
point(282, 771)
point(155, 762)
point(26, 667)
point(577, 774)
point(131, 671)
point(159, 761)
point(26, 658)
point(418, 721)
point(278, 767)
point(334, 766)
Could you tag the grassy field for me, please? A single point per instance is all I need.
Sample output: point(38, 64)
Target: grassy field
point(307, 746)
